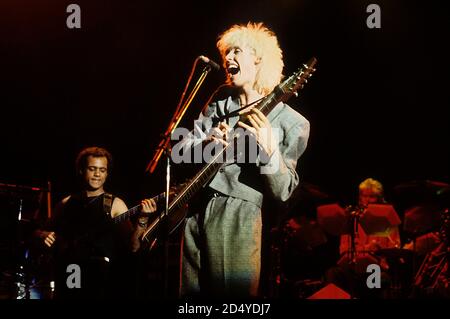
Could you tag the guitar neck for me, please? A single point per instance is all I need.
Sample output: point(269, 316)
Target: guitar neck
point(135, 210)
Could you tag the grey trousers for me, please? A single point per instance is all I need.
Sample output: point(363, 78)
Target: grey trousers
point(222, 249)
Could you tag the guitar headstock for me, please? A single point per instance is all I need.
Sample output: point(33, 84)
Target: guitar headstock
point(297, 80)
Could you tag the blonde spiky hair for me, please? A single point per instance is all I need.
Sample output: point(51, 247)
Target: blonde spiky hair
point(373, 185)
point(265, 45)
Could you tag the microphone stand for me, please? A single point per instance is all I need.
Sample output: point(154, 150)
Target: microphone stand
point(164, 148)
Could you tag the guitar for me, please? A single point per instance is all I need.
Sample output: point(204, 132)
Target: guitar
point(83, 239)
point(176, 212)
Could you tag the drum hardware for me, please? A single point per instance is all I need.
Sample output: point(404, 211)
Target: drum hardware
point(434, 270)
point(23, 204)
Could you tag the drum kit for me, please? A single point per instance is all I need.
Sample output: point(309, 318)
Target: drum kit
point(23, 265)
point(416, 265)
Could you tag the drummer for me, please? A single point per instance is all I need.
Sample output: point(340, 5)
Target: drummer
point(370, 192)
point(353, 278)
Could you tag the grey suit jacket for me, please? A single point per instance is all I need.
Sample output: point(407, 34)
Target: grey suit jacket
point(250, 181)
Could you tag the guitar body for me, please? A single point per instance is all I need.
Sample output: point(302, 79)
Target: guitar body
point(162, 225)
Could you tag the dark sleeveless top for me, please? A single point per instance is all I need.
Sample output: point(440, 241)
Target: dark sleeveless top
point(84, 230)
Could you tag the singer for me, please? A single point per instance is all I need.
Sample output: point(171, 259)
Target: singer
point(222, 238)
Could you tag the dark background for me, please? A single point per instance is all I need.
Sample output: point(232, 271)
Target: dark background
point(377, 103)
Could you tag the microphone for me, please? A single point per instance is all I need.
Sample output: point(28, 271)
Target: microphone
point(210, 62)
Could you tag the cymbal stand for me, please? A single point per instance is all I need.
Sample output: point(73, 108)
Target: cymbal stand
point(22, 276)
point(355, 213)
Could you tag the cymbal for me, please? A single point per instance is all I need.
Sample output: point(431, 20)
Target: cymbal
point(308, 191)
point(18, 188)
point(422, 218)
point(418, 193)
point(419, 189)
point(420, 185)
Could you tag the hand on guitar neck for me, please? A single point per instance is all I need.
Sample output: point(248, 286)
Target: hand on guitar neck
point(148, 206)
point(49, 237)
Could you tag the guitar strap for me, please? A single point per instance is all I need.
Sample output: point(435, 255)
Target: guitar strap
point(107, 203)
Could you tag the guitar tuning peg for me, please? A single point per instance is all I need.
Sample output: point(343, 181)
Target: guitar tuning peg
point(305, 66)
point(306, 81)
point(310, 75)
point(296, 94)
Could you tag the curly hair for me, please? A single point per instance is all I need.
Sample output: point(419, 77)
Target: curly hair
point(265, 46)
point(94, 151)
